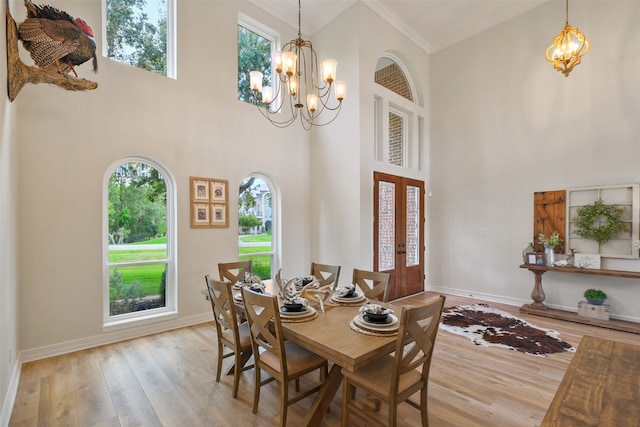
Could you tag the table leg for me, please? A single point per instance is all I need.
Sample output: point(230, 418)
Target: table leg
point(538, 293)
point(324, 397)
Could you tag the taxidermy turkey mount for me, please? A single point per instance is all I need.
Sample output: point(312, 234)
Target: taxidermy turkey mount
point(56, 42)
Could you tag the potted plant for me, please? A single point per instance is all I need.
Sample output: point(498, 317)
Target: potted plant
point(549, 244)
point(595, 296)
point(553, 240)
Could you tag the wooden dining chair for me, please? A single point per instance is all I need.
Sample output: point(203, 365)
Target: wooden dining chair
point(283, 360)
point(374, 284)
point(326, 274)
point(233, 272)
point(231, 335)
point(397, 376)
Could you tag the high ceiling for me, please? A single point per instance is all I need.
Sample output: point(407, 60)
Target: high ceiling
point(433, 24)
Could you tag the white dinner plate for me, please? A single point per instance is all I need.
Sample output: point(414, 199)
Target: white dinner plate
point(359, 321)
point(308, 312)
point(359, 297)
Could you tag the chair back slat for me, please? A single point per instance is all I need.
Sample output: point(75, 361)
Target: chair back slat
point(374, 284)
point(326, 274)
point(416, 338)
point(233, 272)
point(264, 324)
point(224, 311)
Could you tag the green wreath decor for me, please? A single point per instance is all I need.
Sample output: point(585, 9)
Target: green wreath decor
point(599, 222)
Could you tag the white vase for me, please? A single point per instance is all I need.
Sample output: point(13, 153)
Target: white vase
point(549, 254)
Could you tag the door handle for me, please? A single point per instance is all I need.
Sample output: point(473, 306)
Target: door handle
point(401, 252)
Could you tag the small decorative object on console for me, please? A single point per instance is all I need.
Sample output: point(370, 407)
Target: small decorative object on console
point(595, 296)
point(600, 312)
point(586, 261)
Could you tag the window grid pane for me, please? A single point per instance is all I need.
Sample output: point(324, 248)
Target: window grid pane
point(386, 225)
point(254, 53)
point(255, 226)
point(142, 37)
point(137, 288)
point(413, 225)
point(396, 138)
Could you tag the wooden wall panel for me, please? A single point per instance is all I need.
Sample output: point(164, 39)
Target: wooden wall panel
point(549, 215)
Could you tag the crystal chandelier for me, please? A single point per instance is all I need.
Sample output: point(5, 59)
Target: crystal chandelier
point(296, 68)
point(567, 48)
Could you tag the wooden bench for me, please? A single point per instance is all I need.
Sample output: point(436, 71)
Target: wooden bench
point(600, 387)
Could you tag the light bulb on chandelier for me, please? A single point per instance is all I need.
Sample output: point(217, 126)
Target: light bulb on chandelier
point(296, 68)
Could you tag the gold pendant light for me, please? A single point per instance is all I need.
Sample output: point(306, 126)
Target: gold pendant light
point(567, 48)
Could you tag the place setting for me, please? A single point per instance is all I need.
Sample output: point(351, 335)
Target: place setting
point(374, 319)
point(347, 295)
point(254, 287)
point(249, 279)
point(296, 309)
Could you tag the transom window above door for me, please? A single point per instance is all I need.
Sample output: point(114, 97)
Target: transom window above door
point(399, 119)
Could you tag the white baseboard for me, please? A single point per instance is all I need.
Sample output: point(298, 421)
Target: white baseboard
point(12, 391)
point(111, 337)
point(515, 301)
point(482, 296)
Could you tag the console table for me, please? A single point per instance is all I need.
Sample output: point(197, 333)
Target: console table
point(537, 307)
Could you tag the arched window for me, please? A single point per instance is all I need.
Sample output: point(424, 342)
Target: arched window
point(258, 229)
point(390, 75)
point(139, 242)
point(399, 120)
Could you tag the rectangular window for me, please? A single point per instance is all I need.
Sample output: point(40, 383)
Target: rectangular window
point(142, 34)
point(256, 43)
point(396, 139)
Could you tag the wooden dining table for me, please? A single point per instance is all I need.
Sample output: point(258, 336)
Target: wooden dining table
point(330, 336)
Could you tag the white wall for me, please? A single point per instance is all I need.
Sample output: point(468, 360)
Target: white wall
point(193, 125)
point(9, 366)
point(505, 124)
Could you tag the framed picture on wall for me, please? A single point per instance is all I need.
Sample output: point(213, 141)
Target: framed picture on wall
point(219, 215)
point(199, 190)
point(219, 191)
point(209, 202)
point(200, 215)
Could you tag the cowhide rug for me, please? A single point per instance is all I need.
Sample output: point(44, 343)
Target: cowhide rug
point(488, 326)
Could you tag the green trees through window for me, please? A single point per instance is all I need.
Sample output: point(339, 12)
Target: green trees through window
point(137, 33)
point(254, 53)
point(255, 225)
point(137, 236)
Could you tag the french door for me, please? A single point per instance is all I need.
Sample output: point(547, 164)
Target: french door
point(398, 230)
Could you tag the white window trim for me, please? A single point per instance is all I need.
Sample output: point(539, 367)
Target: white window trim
point(172, 30)
point(170, 311)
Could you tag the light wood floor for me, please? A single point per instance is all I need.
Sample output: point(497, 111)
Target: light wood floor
point(168, 379)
